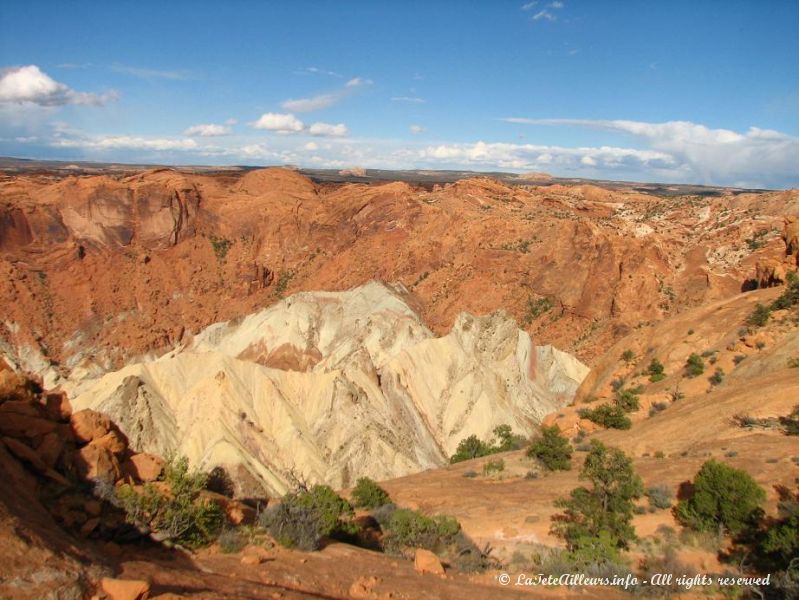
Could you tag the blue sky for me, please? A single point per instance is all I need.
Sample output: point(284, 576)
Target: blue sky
point(701, 91)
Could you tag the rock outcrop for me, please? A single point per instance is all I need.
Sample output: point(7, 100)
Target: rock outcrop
point(330, 386)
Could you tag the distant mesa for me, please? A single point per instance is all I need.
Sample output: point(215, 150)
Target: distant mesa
point(353, 172)
point(535, 176)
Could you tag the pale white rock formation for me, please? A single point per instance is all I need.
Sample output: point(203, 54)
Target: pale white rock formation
point(331, 386)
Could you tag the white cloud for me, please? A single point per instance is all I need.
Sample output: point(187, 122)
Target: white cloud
point(358, 82)
point(415, 129)
point(117, 142)
point(30, 85)
point(231, 121)
point(714, 156)
point(544, 14)
point(556, 4)
point(411, 99)
point(531, 156)
point(321, 101)
point(529, 5)
point(311, 146)
point(328, 130)
point(311, 104)
point(280, 122)
point(208, 130)
point(318, 71)
point(146, 73)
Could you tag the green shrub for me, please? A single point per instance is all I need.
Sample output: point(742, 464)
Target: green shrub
point(304, 518)
point(722, 497)
point(470, 474)
point(507, 440)
point(552, 449)
point(411, 529)
point(628, 399)
point(231, 541)
point(628, 356)
point(177, 514)
point(656, 371)
point(367, 494)
point(694, 366)
point(793, 363)
point(759, 316)
point(473, 447)
point(659, 496)
point(607, 415)
point(739, 358)
point(494, 466)
point(790, 422)
point(601, 514)
point(790, 297)
point(717, 377)
point(657, 407)
point(469, 448)
point(535, 308)
point(221, 247)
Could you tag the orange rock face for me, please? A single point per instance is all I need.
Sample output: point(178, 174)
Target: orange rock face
point(96, 269)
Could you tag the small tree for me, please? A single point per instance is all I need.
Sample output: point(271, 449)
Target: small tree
point(604, 508)
point(722, 497)
point(759, 316)
point(694, 366)
point(628, 399)
point(367, 494)
point(607, 415)
point(656, 371)
point(303, 518)
point(506, 439)
point(552, 449)
point(628, 356)
point(469, 448)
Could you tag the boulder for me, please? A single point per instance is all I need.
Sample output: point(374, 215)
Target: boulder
point(13, 386)
point(50, 448)
point(125, 589)
point(94, 462)
point(25, 454)
point(426, 562)
point(58, 406)
point(114, 442)
point(143, 467)
point(88, 425)
point(19, 425)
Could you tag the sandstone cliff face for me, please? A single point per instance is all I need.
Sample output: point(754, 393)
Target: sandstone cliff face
point(98, 270)
point(332, 386)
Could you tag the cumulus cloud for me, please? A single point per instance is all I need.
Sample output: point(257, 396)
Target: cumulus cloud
point(125, 142)
point(415, 129)
point(530, 156)
point(208, 130)
point(328, 130)
point(714, 156)
point(279, 122)
point(311, 146)
point(287, 123)
point(321, 101)
point(31, 85)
